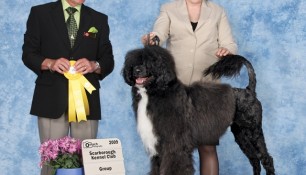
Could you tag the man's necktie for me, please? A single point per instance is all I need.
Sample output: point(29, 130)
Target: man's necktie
point(71, 25)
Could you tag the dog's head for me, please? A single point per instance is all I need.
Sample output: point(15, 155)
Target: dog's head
point(149, 67)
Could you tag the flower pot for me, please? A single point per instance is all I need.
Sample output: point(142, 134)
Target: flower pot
point(72, 171)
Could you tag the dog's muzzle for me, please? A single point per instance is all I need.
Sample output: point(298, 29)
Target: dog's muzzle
point(140, 74)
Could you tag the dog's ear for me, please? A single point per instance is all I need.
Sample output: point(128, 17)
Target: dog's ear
point(165, 77)
point(132, 58)
point(127, 76)
point(162, 65)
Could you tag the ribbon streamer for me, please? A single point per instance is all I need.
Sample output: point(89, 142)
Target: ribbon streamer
point(78, 107)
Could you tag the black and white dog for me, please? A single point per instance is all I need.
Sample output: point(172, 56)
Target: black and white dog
point(174, 119)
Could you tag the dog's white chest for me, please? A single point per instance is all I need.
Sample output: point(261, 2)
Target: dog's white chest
point(144, 124)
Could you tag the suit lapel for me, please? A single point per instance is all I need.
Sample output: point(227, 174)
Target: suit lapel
point(183, 11)
point(85, 21)
point(205, 13)
point(59, 21)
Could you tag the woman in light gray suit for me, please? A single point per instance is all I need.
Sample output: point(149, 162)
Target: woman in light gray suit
point(197, 33)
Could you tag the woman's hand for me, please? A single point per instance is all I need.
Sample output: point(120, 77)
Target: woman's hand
point(144, 39)
point(222, 52)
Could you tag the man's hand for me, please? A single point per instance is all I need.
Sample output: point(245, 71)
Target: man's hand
point(85, 66)
point(60, 65)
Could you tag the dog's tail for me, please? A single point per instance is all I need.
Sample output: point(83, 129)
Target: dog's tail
point(230, 66)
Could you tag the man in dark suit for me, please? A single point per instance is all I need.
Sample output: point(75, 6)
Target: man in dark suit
point(48, 47)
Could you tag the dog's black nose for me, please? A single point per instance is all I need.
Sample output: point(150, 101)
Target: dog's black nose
point(139, 71)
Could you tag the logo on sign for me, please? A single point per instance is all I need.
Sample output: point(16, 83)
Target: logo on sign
point(91, 145)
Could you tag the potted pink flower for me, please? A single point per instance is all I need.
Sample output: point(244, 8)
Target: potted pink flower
point(62, 154)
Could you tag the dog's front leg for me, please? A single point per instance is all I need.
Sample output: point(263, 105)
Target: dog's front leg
point(177, 163)
point(155, 165)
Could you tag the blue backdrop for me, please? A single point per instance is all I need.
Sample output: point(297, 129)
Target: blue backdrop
point(272, 34)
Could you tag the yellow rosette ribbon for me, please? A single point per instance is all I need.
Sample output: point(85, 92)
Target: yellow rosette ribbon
point(78, 107)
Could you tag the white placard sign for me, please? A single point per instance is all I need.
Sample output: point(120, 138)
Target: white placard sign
point(103, 157)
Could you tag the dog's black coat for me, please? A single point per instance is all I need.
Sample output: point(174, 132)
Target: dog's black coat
point(184, 117)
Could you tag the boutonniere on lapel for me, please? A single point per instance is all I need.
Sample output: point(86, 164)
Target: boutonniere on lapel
point(92, 32)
